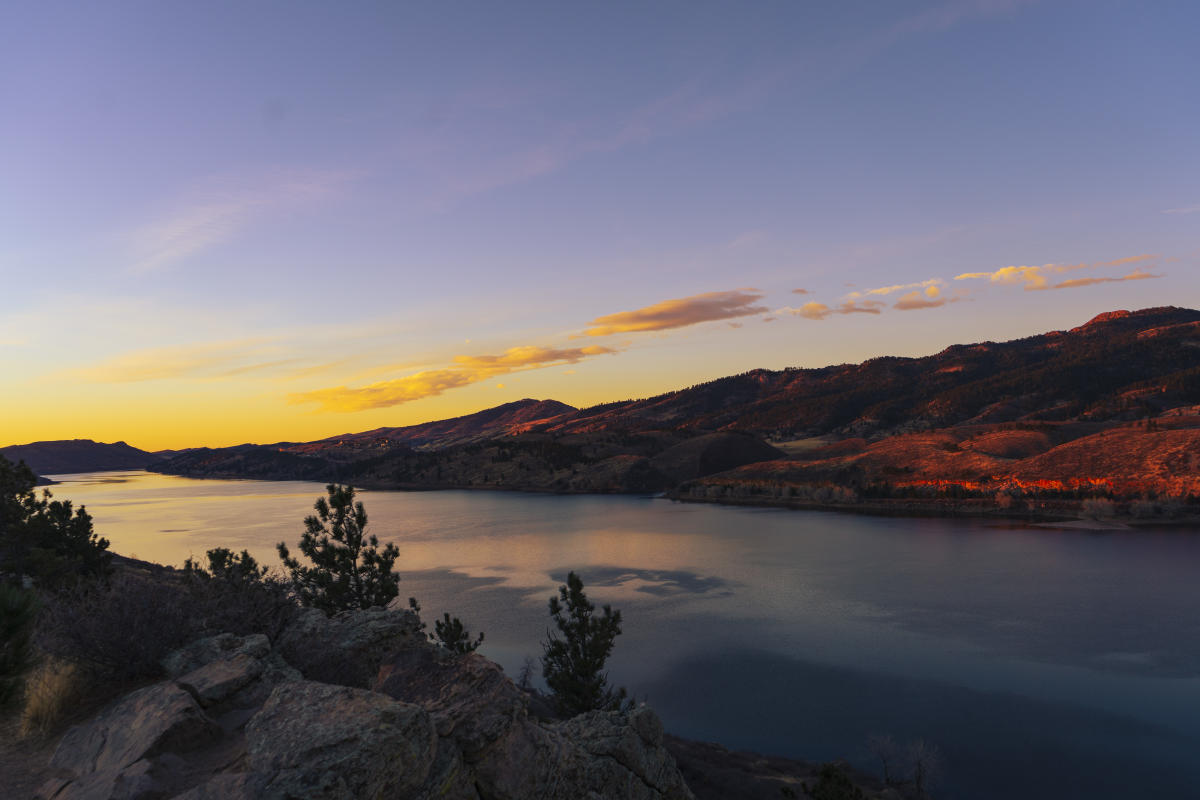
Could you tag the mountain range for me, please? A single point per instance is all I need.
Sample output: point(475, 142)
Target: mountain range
point(1111, 408)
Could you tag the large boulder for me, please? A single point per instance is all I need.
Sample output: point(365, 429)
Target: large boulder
point(482, 714)
point(214, 648)
point(315, 740)
point(471, 700)
point(117, 753)
point(632, 740)
point(601, 754)
point(347, 648)
point(229, 671)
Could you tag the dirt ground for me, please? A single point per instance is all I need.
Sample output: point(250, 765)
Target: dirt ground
point(24, 762)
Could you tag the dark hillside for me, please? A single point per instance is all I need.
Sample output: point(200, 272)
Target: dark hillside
point(78, 455)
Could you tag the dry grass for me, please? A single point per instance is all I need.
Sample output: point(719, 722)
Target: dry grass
point(52, 692)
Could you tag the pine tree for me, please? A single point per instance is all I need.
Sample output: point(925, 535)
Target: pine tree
point(225, 565)
point(573, 665)
point(43, 539)
point(452, 634)
point(350, 571)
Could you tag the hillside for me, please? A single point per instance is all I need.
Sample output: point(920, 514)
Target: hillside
point(480, 426)
point(66, 456)
point(1119, 366)
point(1109, 408)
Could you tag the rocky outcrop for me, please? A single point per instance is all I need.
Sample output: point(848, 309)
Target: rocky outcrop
point(348, 648)
point(316, 740)
point(486, 718)
point(120, 752)
point(235, 720)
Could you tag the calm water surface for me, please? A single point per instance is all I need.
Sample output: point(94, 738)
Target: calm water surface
point(1042, 663)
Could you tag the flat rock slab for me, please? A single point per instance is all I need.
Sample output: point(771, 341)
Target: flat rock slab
point(218, 680)
point(113, 756)
point(316, 740)
point(214, 648)
point(163, 717)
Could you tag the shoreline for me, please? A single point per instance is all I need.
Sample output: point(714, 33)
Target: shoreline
point(1049, 519)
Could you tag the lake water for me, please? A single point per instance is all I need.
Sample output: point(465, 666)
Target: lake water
point(1043, 663)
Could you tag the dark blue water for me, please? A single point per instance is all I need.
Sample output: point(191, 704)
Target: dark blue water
point(1040, 663)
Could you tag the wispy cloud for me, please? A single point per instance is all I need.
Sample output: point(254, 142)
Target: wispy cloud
point(801, 291)
point(209, 360)
point(1184, 210)
point(430, 383)
point(856, 306)
point(816, 310)
point(1136, 275)
point(1120, 262)
point(886, 290)
point(218, 210)
point(1037, 278)
point(680, 312)
point(530, 356)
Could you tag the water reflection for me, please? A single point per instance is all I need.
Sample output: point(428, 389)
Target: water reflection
point(1028, 655)
point(660, 582)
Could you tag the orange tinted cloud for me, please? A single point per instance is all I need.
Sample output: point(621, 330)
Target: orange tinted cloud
point(530, 356)
point(901, 287)
point(385, 394)
point(1035, 278)
point(821, 311)
point(1130, 260)
point(1136, 275)
point(801, 291)
point(431, 383)
point(932, 297)
point(1031, 277)
point(680, 313)
point(855, 306)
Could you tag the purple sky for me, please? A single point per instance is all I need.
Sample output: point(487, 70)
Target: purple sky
point(223, 222)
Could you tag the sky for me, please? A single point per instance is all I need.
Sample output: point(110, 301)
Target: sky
point(226, 222)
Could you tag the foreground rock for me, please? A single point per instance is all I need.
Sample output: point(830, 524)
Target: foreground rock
point(237, 720)
point(485, 718)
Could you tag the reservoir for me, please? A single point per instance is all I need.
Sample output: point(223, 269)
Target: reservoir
point(1041, 663)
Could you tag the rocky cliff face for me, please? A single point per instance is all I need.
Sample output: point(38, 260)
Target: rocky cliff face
point(237, 720)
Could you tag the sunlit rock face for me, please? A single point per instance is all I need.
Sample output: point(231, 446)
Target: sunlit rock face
point(1043, 417)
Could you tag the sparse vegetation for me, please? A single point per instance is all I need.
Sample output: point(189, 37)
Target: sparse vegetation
point(18, 612)
point(912, 769)
point(53, 689)
point(233, 594)
point(1098, 508)
point(833, 784)
point(226, 566)
point(118, 630)
point(573, 663)
point(349, 570)
point(452, 634)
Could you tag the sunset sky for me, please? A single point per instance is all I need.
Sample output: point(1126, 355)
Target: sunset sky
point(231, 222)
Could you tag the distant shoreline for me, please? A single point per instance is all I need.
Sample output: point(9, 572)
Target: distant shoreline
point(1047, 518)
